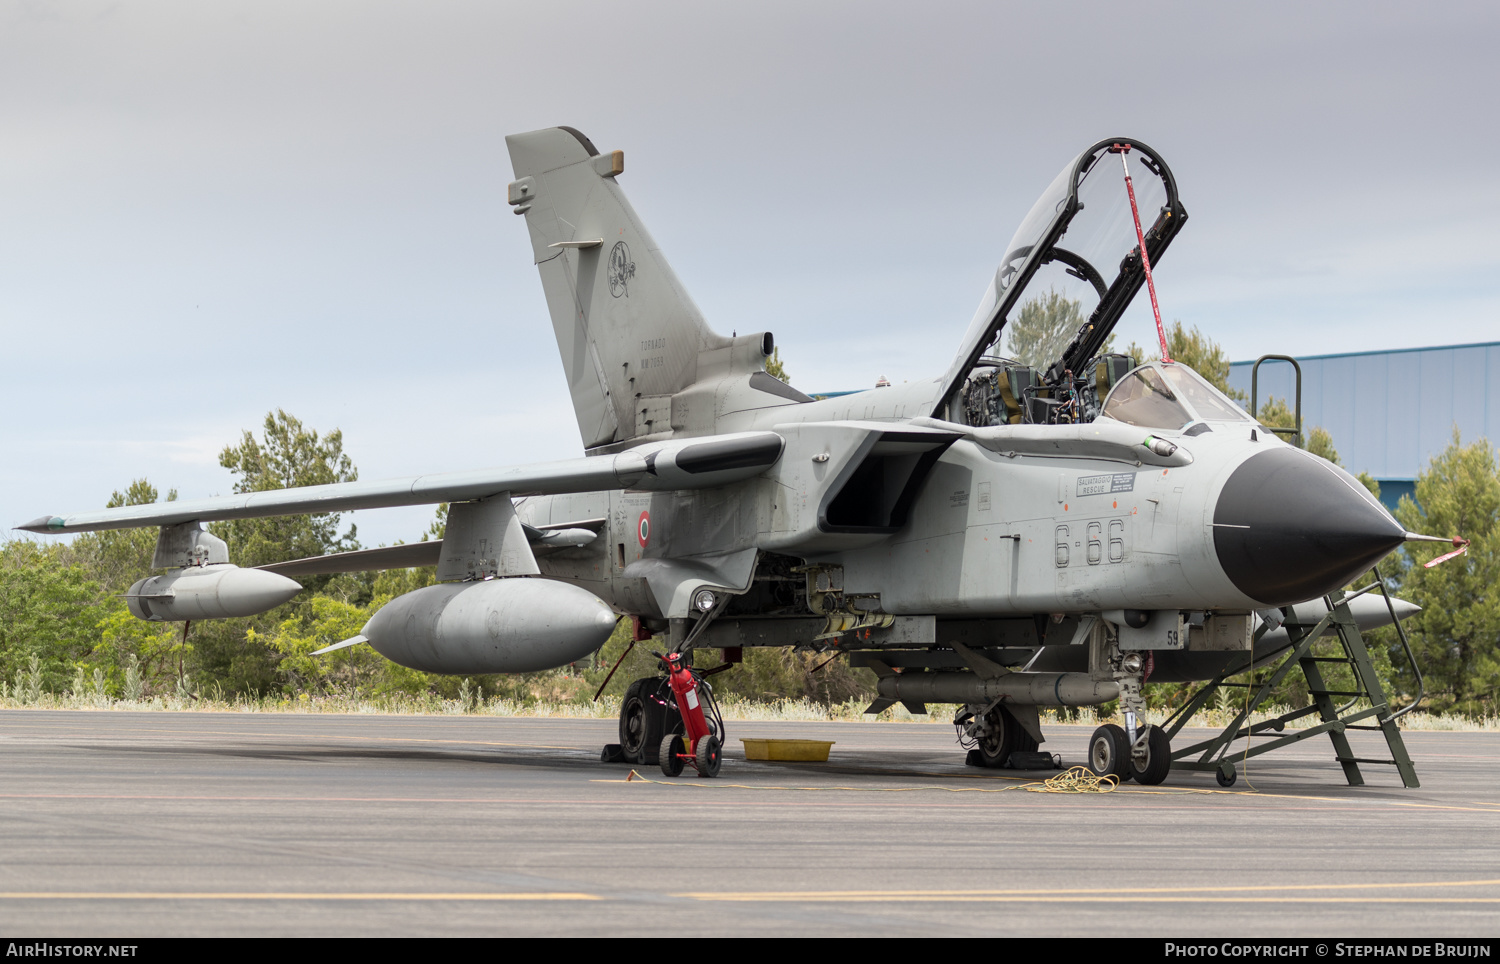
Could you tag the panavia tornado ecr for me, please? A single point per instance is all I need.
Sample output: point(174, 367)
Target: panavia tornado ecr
point(1002, 536)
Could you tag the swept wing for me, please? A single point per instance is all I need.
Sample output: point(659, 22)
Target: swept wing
point(685, 464)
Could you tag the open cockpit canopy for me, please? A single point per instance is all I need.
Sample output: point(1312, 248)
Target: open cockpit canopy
point(1069, 273)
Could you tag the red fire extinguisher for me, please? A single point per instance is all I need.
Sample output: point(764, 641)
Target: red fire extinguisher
point(702, 744)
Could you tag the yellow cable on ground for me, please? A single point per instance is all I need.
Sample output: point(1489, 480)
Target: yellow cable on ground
point(1076, 780)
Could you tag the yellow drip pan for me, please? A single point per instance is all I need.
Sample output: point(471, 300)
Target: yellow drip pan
point(789, 751)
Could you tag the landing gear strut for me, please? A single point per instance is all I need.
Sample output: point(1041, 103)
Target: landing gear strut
point(1137, 750)
point(1151, 757)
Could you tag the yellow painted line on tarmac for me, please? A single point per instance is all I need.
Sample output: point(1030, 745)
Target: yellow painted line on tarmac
point(1154, 895)
point(287, 895)
point(1492, 808)
point(1246, 892)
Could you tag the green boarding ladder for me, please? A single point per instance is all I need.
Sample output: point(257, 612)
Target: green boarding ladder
point(1334, 717)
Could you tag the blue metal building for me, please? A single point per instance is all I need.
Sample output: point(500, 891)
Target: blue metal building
point(1390, 412)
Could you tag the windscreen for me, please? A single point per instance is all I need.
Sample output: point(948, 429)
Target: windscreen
point(1206, 400)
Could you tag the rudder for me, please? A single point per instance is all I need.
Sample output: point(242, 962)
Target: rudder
point(629, 335)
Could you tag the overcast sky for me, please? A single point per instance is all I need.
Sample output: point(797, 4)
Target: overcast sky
point(212, 210)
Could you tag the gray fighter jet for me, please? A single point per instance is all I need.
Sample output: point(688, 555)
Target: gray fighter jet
point(1002, 536)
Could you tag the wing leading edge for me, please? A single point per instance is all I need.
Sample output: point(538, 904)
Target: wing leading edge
point(686, 464)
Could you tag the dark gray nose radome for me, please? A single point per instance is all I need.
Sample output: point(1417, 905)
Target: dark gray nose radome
point(1288, 529)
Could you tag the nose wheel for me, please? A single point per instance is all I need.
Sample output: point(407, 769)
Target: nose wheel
point(1109, 752)
point(1147, 761)
point(1151, 757)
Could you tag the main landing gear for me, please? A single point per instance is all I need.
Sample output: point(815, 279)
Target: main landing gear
point(996, 739)
point(663, 721)
point(700, 744)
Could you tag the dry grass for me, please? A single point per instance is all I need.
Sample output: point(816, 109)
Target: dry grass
point(736, 709)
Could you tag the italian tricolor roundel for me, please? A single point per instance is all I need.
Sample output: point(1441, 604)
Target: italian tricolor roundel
point(643, 529)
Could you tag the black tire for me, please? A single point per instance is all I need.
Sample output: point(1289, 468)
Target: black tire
point(641, 721)
point(1023, 741)
point(1226, 779)
point(994, 748)
point(707, 756)
point(1158, 763)
point(668, 756)
point(1109, 752)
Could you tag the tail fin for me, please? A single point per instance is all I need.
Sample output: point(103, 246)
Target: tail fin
point(630, 337)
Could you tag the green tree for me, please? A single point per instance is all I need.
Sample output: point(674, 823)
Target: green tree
point(439, 524)
point(49, 608)
point(774, 368)
point(774, 673)
point(1276, 414)
point(1456, 636)
point(63, 604)
point(1197, 351)
point(324, 621)
point(287, 455)
point(226, 651)
point(116, 558)
point(1043, 328)
point(158, 650)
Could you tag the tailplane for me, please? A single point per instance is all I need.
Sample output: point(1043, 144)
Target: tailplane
point(629, 335)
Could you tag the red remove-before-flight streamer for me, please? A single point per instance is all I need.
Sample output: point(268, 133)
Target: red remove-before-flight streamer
point(1140, 236)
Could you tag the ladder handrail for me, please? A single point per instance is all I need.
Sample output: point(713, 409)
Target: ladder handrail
point(1405, 644)
point(1255, 383)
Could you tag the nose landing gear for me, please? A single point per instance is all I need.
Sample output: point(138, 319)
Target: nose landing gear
point(1138, 750)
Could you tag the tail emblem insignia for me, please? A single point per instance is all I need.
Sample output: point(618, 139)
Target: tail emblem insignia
point(621, 269)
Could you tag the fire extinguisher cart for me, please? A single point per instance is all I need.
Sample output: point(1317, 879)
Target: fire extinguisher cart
point(702, 742)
